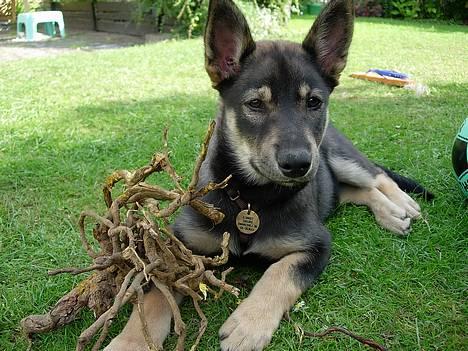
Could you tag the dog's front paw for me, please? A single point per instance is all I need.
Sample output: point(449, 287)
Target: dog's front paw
point(248, 328)
point(134, 343)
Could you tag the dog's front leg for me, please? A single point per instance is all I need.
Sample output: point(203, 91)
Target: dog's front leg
point(252, 324)
point(158, 316)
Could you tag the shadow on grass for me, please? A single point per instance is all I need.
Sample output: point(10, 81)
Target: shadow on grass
point(73, 40)
point(422, 24)
point(85, 144)
point(69, 156)
point(12, 49)
point(88, 142)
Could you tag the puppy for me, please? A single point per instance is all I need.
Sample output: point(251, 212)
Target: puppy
point(290, 169)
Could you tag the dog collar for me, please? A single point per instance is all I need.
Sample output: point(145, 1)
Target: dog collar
point(247, 220)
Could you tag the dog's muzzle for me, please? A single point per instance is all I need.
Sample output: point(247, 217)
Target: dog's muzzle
point(294, 163)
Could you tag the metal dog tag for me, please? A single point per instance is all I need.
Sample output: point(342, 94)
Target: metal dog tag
point(247, 221)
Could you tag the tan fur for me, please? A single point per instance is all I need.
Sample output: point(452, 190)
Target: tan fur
point(387, 186)
point(158, 316)
point(352, 173)
point(264, 94)
point(251, 325)
point(393, 208)
point(242, 149)
point(304, 90)
point(200, 241)
point(387, 214)
point(277, 247)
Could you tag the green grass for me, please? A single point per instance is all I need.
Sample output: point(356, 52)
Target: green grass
point(67, 122)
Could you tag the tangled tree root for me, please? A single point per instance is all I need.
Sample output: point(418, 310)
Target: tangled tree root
point(138, 249)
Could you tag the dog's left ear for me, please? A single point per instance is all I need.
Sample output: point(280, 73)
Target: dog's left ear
point(227, 40)
point(330, 36)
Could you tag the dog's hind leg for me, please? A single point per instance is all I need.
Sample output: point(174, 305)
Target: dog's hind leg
point(392, 207)
point(349, 172)
point(387, 213)
point(390, 188)
point(364, 183)
point(158, 316)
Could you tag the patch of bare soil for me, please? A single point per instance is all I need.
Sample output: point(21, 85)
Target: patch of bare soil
point(12, 48)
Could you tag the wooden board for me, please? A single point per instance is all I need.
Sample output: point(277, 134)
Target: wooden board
point(77, 15)
point(112, 17)
point(373, 77)
point(125, 27)
point(119, 17)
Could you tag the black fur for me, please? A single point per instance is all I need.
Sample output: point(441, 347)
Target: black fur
point(273, 137)
point(409, 185)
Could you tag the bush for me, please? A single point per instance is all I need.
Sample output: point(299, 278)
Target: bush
point(405, 8)
point(368, 8)
point(454, 9)
point(189, 16)
point(34, 5)
point(436, 9)
point(262, 20)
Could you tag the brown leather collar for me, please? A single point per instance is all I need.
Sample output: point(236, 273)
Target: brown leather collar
point(234, 195)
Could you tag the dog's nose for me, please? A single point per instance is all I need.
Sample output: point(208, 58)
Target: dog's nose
point(294, 164)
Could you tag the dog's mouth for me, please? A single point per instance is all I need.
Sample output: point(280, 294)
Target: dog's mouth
point(278, 178)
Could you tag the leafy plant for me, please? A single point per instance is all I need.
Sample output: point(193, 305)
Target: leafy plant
point(431, 9)
point(262, 20)
point(180, 15)
point(34, 5)
point(188, 16)
point(5, 7)
point(455, 9)
point(406, 8)
point(368, 8)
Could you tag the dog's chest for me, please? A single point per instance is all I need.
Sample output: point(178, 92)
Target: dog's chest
point(271, 231)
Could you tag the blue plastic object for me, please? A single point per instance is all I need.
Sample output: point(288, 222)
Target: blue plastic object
point(389, 73)
point(30, 20)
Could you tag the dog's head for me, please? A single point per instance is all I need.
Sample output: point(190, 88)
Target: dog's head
point(274, 94)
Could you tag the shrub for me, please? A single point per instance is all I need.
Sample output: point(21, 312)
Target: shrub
point(189, 16)
point(436, 9)
point(368, 8)
point(454, 9)
point(34, 5)
point(405, 8)
point(262, 20)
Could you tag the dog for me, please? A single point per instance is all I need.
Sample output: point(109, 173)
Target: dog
point(290, 169)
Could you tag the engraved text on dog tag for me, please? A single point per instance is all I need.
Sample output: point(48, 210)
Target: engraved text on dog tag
point(247, 221)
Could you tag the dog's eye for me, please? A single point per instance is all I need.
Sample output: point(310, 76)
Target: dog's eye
point(313, 103)
point(255, 104)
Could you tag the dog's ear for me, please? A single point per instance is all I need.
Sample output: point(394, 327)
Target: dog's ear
point(330, 36)
point(227, 40)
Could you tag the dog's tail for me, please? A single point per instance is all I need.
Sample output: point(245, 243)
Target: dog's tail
point(408, 185)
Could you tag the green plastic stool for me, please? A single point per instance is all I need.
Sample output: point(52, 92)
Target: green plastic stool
point(30, 21)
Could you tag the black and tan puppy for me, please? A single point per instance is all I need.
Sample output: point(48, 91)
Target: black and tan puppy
point(290, 169)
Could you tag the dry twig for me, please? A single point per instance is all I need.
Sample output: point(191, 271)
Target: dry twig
point(137, 249)
point(300, 331)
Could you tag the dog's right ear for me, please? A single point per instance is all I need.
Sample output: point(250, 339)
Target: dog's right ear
point(227, 40)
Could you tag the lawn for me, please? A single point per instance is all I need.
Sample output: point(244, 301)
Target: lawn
point(67, 122)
